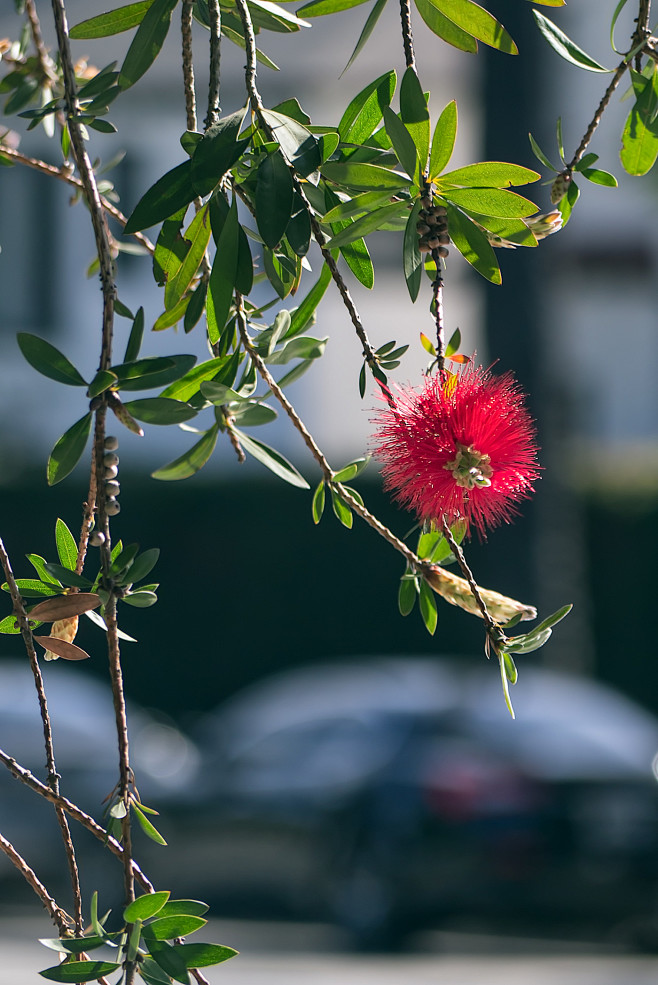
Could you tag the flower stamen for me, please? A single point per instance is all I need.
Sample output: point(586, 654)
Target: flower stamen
point(470, 468)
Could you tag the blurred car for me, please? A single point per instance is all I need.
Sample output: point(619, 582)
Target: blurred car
point(165, 762)
point(391, 794)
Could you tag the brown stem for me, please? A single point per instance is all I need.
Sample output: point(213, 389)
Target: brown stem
point(437, 305)
point(407, 36)
point(60, 917)
point(188, 64)
point(63, 174)
point(215, 51)
point(642, 31)
point(596, 119)
point(45, 62)
point(53, 775)
point(26, 777)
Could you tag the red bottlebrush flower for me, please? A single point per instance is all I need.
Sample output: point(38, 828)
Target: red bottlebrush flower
point(461, 449)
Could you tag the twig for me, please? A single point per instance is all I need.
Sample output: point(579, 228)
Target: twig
point(437, 306)
point(642, 31)
point(494, 632)
point(45, 62)
point(215, 51)
point(596, 119)
point(257, 108)
point(60, 917)
point(188, 64)
point(53, 775)
point(407, 36)
point(30, 780)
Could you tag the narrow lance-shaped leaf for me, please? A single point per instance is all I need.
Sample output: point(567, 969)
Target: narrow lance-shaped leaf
point(79, 971)
point(416, 118)
point(364, 113)
point(444, 28)
point(402, 141)
point(473, 245)
point(412, 260)
point(67, 548)
point(217, 151)
point(169, 194)
point(490, 174)
point(272, 460)
point(198, 235)
point(491, 201)
point(478, 22)
point(68, 450)
point(368, 28)
point(564, 46)
point(147, 42)
point(443, 141)
point(190, 461)
point(223, 276)
point(135, 338)
point(48, 360)
point(113, 22)
point(274, 197)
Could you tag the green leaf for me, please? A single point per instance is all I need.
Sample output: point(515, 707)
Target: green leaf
point(145, 907)
point(365, 177)
point(428, 609)
point(179, 925)
point(364, 113)
point(217, 151)
point(415, 117)
point(317, 507)
point(144, 564)
point(473, 245)
point(9, 626)
point(168, 960)
point(303, 347)
point(113, 22)
point(198, 236)
point(297, 142)
point(341, 509)
point(219, 213)
point(252, 413)
point(187, 386)
point(511, 672)
point(67, 577)
point(357, 206)
point(204, 955)
point(67, 548)
point(135, 338)
point(79, 971)
point(564, 46)
point(145, 374)
point(272, 460)
point(192, 907)
point(402, 141)
point(478, 22)
point(505, 682)
point(195, 306)
point(168, 195)
point(147, 827)
point(366, 224)
point(143, 599)
point(599, 177)
point(172, 317)
point(444, 28)
point(639, 148)
point(491, 201)
point(443, 141)
point(223, 275)
point(72, 945)
point(357, 258)
point(368, 28)
point(407, 595)
point(412, 260)
point(160, 410)
point(318, 8)
point(567, 202)
point(529, 641)
point(274, 196)
point(170, 247)
point(454, 343)
point(39, 565)
point(34, 588)
point(48, 360)
point(539, 154)
point(147, 42)
point(489, 174)
point(554, 619)
point(190, 461)
point(101, 382)
point(68, 450)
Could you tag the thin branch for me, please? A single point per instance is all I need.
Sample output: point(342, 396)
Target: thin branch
point(45, 61)
point(215, 51)
point(60, 917)
point(596, 119)
point(30, 780)
point(188, 64)
point(53, 775)
point(64, 174)
point(437, 307)
point(407, 36)
point(642, 31)
point(257, 108)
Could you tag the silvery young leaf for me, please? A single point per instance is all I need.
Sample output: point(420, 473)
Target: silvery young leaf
point(190, 461)
point(169, 194)
point(473, 245)
point(364, 113)
point(113, 22)
point(478, 22)
point(443, 141)
point(564, 46)
point(79, 971)
point(444, 28)
point(204, 955)
point(147, 42)
point(272, 460)
point(67, 548)
point(68, 450)
point(48, 360)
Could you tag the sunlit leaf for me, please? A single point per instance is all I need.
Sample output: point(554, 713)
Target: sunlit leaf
point(190, 461)
point(478, 22)
point(564, 46)
point(113, 22)
point(473, 245)
point(272, 460)
point(444, 28)
point(443, 141)
point(79, 971)
point(364, 113)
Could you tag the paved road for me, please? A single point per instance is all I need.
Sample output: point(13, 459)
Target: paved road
point(287, 955)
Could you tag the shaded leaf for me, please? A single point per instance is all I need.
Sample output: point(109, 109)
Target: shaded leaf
point(112, 22)
point(217, 151)
point(48, 360)
point(79, 971)
point(272, 460)
point(366, 177)
point(147, 42)
point(223, 276)
point(406, 596)
point(168, 195)
point(198, 236)
point(428, 609)
point(353, 230)
point(190, 461)
point(172, 368)
point(68, 450)
point(415, 117)
point(274, 197)
point(160, 410)
point(473, 245)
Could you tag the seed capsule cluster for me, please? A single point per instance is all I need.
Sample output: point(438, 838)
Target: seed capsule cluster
point(432, 229)
point(111, 486)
